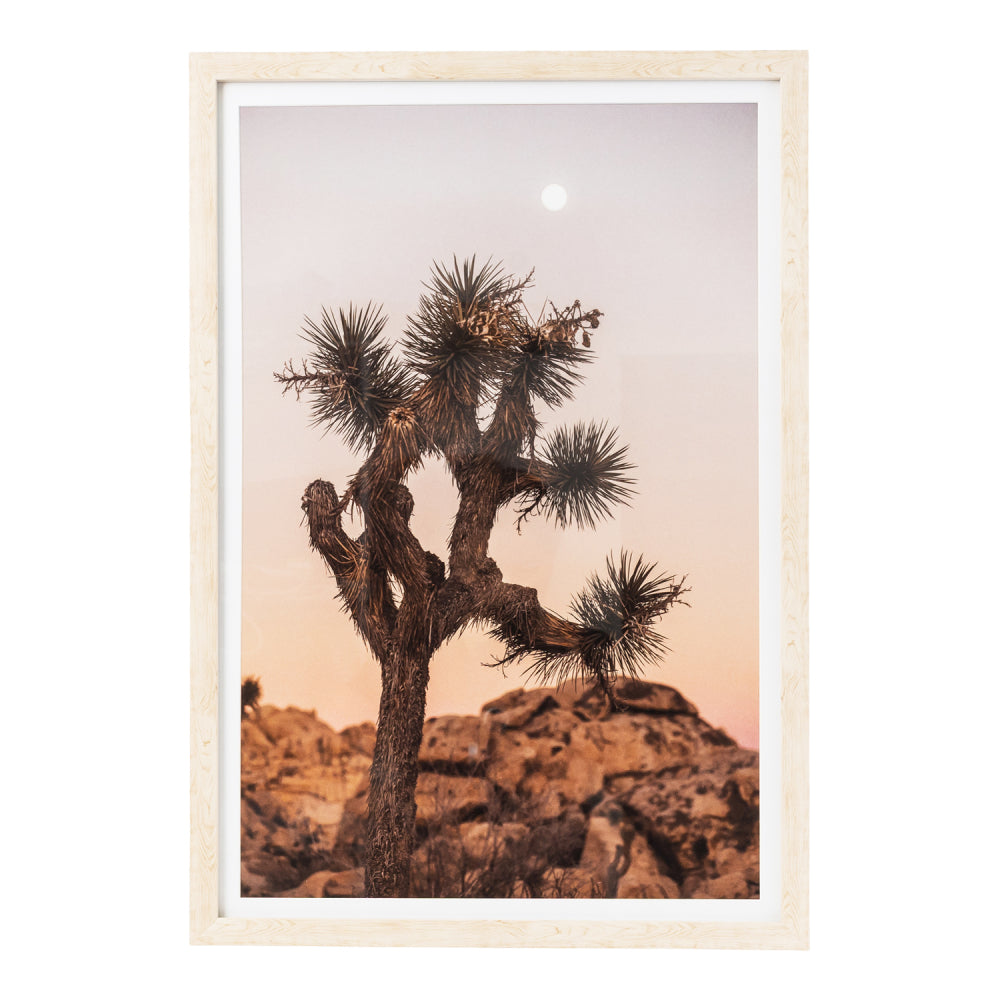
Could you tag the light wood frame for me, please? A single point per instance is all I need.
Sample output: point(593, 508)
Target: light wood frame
point(208, 72)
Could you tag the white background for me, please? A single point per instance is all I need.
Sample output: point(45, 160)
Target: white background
point(904, 336)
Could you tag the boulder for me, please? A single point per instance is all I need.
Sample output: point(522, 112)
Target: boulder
point(703, 817)
point(551, 762)
point(275, 872)
point(360, 739)
point(732, 885)
point(329, 885)
point(311, 888)
point(605, 852)
point(346, 883)
point(484, 842)
point(443, 798)
point(511, 755)
point(453, 743)
point(298, 734)
point(516, 708)
point(635, 744)
point(645, 877)
point(652, 699)
point(349, 847)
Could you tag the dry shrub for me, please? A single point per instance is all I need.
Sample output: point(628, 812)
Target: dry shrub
point(509, 855)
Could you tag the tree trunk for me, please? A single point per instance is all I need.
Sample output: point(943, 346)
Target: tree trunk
point(391, 797)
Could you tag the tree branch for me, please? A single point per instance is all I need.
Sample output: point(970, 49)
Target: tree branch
point(361, 577)
point(486, 484)
point(521, 622)
point(612, 634)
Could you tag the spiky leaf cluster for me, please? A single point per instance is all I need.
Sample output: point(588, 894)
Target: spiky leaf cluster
point(471, 342)
point(584, 474)
point(614, 617)
point(617, 612)
point(547, 371)
point(357, 383)
point(462, 326)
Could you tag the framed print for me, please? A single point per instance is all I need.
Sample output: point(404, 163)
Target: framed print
point(499, 499)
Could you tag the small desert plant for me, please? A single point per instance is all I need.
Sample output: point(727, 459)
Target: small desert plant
point(250, 692)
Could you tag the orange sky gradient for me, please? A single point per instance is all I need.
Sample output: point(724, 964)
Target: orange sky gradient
point(659, 233)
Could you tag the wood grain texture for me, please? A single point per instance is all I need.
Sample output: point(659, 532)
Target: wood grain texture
point(204, 902)
point(794, 500)
point(502, 933)
point(208, 71)
point(302, 66)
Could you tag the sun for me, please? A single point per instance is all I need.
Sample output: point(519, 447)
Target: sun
point(554, 197)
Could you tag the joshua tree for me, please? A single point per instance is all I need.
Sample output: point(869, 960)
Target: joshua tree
point(474, 367)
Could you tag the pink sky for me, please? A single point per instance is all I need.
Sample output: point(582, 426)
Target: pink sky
point(659, 232)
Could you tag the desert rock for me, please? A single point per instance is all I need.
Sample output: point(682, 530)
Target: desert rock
point(547, 792)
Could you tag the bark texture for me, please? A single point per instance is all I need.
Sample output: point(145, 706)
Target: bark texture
point(434, 607)
point(391, 801)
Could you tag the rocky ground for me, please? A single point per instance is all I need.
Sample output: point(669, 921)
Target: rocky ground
point(544, 794)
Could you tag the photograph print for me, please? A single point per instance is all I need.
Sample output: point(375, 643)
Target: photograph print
point(500, 501)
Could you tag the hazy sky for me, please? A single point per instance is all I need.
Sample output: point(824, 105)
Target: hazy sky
point(659, 233)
